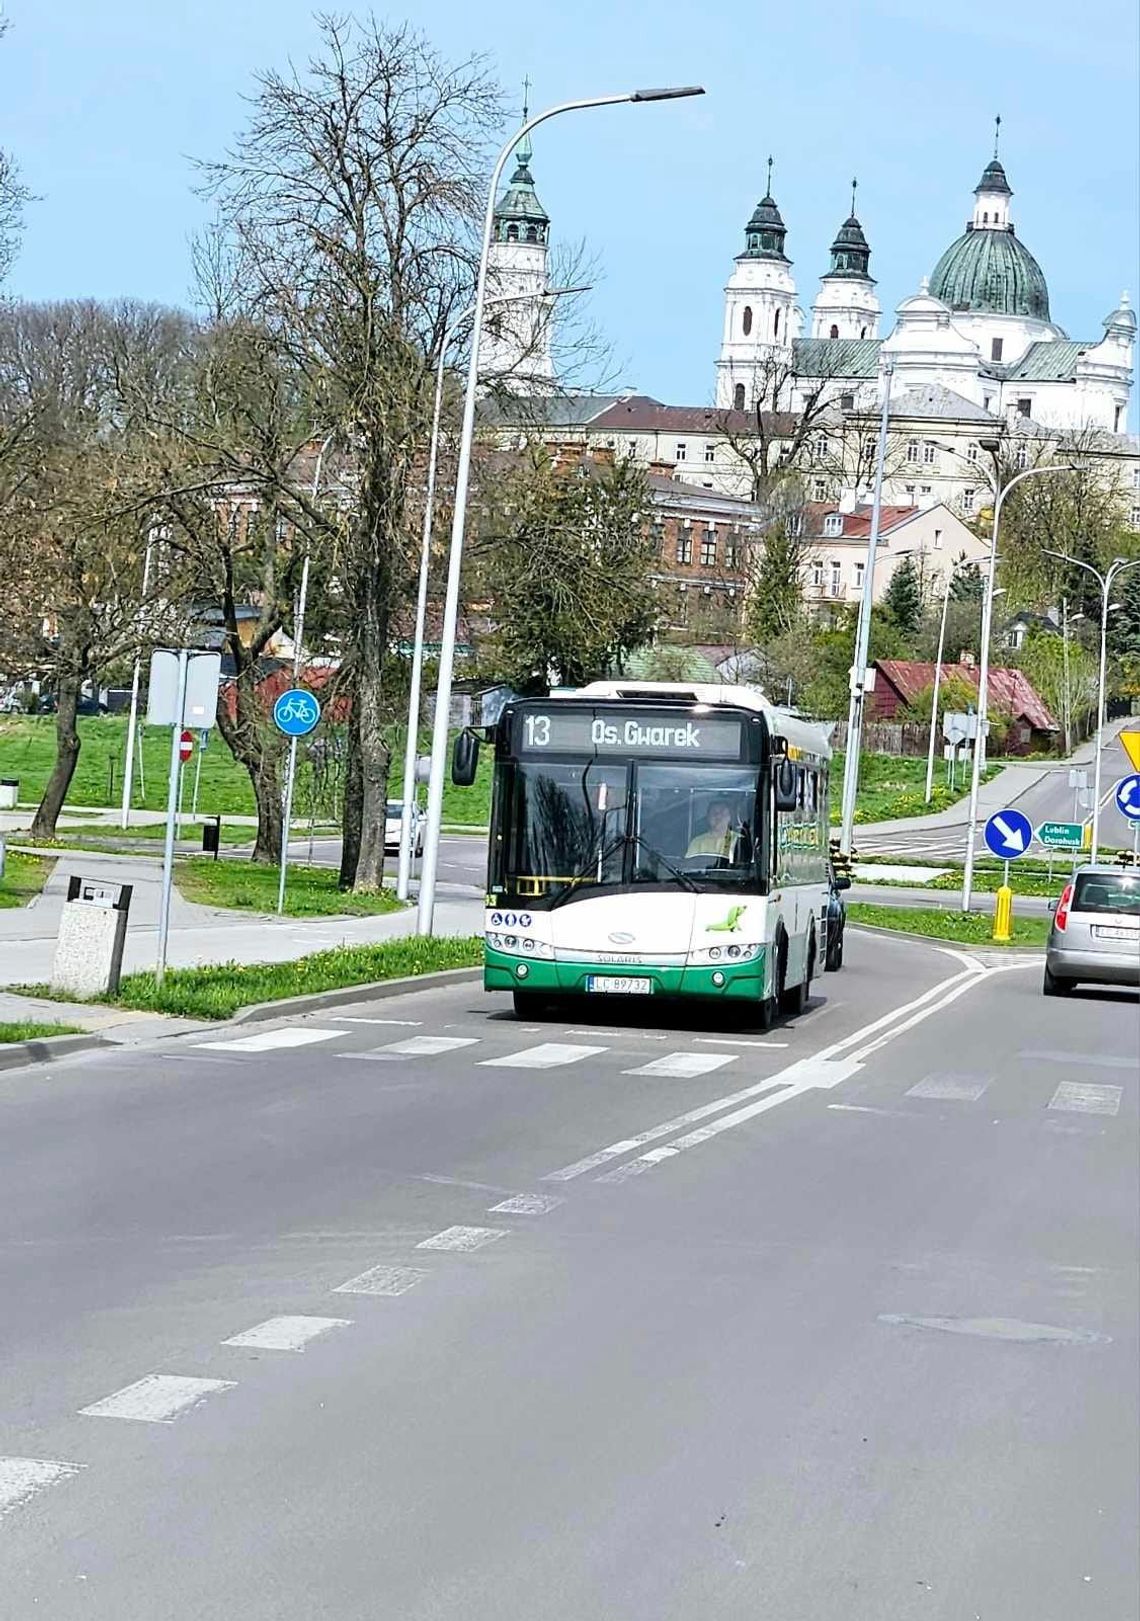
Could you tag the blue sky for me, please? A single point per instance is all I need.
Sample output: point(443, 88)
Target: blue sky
point(105, 104)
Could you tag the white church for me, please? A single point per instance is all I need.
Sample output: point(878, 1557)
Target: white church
point(979, 326)
point(979, 330)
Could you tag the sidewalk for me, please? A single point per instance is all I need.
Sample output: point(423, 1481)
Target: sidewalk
point(199, 935)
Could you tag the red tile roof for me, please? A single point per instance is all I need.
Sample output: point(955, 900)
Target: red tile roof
point(1009, 690)
point(857, 524)
point(640, 414)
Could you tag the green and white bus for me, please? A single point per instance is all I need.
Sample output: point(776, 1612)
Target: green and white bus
point(651, 839)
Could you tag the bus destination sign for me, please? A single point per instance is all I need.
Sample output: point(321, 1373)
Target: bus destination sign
point(578, 731)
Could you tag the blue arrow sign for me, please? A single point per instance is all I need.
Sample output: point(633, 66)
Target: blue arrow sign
point(1127, 792)
point(1008, 834)
point(296, 712)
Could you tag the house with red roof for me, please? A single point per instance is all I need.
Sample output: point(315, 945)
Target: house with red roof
point(835, 540)
point(1030, 726)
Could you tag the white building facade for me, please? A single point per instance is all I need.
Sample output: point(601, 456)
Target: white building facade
point(514, 351)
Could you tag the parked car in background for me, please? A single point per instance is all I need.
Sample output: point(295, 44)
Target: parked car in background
point(1095, 937)
point(393, 812)
point(836, 917)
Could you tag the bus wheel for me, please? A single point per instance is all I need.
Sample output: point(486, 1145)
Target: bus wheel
point(796, 1001)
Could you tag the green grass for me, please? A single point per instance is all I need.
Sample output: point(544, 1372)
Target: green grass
point(309, 891)
point(893, 786)
point(27, 751)
point(218, 992)
point(24, 877)
point(34, 1030)
point(967, 928)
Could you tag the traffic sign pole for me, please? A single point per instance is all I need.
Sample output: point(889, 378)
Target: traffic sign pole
point(171, 811)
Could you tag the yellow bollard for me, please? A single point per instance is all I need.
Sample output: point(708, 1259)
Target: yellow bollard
point(1086, 836)
point(1003, 916)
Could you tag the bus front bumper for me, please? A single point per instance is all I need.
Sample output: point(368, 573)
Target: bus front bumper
point(505, 971)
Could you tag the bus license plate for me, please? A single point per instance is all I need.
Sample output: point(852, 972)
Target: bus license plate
point(619, 985)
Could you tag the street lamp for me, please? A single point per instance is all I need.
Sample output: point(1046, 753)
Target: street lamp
point(984, 666)
point(1116, 568)
point(404, 863)
point(863, 634)
point(467, 432)
point(950, 573)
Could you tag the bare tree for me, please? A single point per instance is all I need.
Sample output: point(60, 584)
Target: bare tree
point(13, 197)
point(351, 200)
point(72, 530)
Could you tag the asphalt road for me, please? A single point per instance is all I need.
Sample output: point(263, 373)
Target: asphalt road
point(842, 1329)
point(462, 858)
point(1050, 800)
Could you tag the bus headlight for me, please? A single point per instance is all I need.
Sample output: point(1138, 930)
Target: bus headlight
point(515, 945)
point(736, 953)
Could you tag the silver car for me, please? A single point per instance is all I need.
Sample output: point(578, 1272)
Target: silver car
point(394, 812)
point(1096, 930)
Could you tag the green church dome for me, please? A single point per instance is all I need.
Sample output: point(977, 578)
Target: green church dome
point(991, 272)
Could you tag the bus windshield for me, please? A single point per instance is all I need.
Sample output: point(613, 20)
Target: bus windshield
point(574, 825)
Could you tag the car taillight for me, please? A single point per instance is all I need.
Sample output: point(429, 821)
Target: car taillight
point(1062, 915)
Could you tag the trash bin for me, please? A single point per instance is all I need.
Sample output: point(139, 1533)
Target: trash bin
point(212, 836)
point(92, 933)
point(9, 792)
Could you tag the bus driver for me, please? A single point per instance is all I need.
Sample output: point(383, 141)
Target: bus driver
point(720, 838)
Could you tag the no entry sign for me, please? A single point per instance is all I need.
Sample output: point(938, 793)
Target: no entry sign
point(185, 746)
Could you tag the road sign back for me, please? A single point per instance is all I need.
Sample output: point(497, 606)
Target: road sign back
point(1008, 834)
point(1130, 743)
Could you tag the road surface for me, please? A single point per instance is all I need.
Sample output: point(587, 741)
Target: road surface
point(417, 1311)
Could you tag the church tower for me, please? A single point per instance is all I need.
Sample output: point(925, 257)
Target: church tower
point(515, 347)
point(761, 321)
point(846, 305)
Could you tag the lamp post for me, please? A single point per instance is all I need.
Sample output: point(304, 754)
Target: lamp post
point(1117, 567)
point(984, 667)
point(463, 472)
point(407, 808)
point(863, 634)
point(950, 573)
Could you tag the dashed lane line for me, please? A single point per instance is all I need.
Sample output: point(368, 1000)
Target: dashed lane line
point(22, 1478)
point(159, 1398)
point(383, 1280)
point(286, 1333)
point(1077, 1097)
point(682, 1066)
point(463, 1238)
point(525, 1204)
point(417, 1047)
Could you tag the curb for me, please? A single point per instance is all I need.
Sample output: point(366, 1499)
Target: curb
point(19, 1054)
point(942, 940)
point(369, 991)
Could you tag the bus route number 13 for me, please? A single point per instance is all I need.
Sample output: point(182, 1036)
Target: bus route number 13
point(537, 729)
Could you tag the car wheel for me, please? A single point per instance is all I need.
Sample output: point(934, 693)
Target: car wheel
point(1054, 986)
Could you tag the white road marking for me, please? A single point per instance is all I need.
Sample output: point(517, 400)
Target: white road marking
point(868, 1108)
point(269, 1040)
point(683, 1066)
point(348, 1018)
point(948, 1088)
point(418, 1047)
point(733, 1041)
point(1076, 1059)
point(823, 1070)
point(1079, 1097)
point(547, 1055)
point(22, 1478)
point(463, 1238)
point(525, 1204)
point(158, 1399)
point(286, 1333)
point(383, 1280)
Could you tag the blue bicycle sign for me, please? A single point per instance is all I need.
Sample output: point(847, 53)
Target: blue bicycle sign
point(296, 712)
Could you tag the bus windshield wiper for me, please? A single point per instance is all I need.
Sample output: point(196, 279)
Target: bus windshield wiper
point(597, 858)
point(681, 877)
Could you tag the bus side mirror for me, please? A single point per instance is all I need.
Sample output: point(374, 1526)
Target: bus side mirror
point(785, 782)
point(465, 759)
